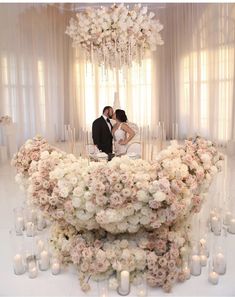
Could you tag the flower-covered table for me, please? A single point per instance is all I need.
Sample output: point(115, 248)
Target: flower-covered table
point(123, 215)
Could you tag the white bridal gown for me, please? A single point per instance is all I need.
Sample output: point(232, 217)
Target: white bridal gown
point(119, 134)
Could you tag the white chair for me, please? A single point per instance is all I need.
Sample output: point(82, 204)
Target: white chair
point(91, 149)
point(134, 148)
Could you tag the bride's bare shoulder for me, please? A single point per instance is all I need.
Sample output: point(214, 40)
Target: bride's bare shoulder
point(114, 126)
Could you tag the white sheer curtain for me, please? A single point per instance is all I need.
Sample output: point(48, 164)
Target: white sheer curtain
point(32, 56)
point(197, 71)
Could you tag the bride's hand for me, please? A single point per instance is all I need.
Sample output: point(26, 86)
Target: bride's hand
point(123, 142)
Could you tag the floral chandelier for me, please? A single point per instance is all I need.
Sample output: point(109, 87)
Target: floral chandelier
point(115, 36)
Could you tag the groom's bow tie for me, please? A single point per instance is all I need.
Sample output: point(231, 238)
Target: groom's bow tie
point(108, 120)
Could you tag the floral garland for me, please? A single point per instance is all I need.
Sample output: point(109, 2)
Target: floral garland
point(115, 36)
point(126, 214)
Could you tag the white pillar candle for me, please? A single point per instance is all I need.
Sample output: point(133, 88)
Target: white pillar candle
point(55, 268)
point(215, 225)
point(19, 225)
point(195, 265)
point(33, 272)
point(231, 227)
point(124, 285)
point(203, 260)
point(187, 272)
point(30, 229)
point(220, 263)
point(18, 264)
point(213, 278)
point(227, 217)
point(44, 260)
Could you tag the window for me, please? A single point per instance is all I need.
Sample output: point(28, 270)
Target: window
point(207, 77)
point(100, 85)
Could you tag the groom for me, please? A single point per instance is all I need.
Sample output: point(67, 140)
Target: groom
point(102, 131)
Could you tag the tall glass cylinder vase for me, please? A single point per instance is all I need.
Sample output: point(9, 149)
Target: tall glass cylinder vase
point(19, 220)
point(17, 252)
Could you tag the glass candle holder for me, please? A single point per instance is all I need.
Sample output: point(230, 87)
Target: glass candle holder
point(30, 229)
point(55, 266)
point(195, 265)
point(227, 217)
point(219, 262)
point(216, 225)
point(18, 220)
point(231, 226)
point(213, 276)
point(140, 286)
point(19, 266)
point(32, 267)
point(40, 245)
point(103, 288)
point(186, 269)
point(204, 246)
point(44, 261)
point(41, 222)
point(17, 253)
point(30, 214)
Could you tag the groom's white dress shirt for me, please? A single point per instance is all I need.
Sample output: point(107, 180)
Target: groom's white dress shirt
point(108, 123)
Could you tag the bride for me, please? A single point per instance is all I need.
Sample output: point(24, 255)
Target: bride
point(122, 133)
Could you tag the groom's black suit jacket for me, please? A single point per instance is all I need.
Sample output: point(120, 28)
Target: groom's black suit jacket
point(102, 137)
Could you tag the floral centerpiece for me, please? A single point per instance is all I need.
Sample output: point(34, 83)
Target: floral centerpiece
point(122, 215)
point(115, 36)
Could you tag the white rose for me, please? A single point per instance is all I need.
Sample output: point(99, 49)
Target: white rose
point(159, 196)
point(44, 155)
point(78, 191)
point(64, 192)
point(124, 243)
point(213, 170)
point(205, 158)
point(137, 205)
point(76, 202)
point(133, 228)
point(142, 196)
point(134, 220)
point(117, 187)
point(126, 192)
point(122, 226)
point(126, 254)
point(145, 220)
point(74, 180)
point(90, 207)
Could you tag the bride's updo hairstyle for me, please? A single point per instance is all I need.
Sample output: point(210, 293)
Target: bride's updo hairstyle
point(121, 115)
